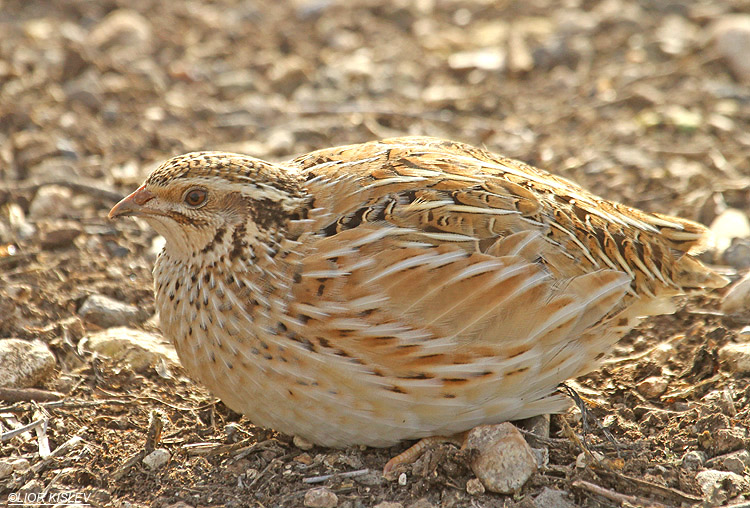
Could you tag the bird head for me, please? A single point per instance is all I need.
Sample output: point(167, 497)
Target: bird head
point(214, 201)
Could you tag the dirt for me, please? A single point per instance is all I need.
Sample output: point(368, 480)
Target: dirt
point(630, 99)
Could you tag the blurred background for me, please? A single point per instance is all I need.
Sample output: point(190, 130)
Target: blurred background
point(645, 101)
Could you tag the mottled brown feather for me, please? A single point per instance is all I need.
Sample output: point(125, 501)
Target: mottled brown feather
point(404, 288)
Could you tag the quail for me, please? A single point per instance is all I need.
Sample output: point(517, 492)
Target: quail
point(399, 289)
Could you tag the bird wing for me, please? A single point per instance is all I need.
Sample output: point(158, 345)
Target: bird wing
point(427, 271)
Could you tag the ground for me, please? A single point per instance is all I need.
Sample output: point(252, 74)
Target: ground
point(630, 99)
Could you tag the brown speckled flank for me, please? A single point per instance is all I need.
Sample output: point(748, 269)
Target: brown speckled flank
point(399, 289)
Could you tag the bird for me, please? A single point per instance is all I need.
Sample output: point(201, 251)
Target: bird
point(401, 289)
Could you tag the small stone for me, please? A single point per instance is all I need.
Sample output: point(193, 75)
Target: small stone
point(553, 498)
point(402, 479)
point(474, 487)
point(505, 461)
point(50, 201)
point(732, 36)
point(718, 486)
point(108, 312)
point(139, 350)
point(737, 254)
point(488, 59)
point(231, 430)
point(302, 443)
point(734, 462)
point(57, 238)
point(320, 497)
point(389, 504)
point(421, 503)
point(6, 468)
point(737, 299)
point(728, 440)
point(24, 363)
point(157, 458)
point(652, 387)
point(731, 223)
point(542, 456)
point(662, 353)
point(693, 460)
point(179, 504)
point(736, 357)
point(21, 465)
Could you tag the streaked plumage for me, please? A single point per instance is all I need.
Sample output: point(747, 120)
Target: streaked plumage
point(399, 289)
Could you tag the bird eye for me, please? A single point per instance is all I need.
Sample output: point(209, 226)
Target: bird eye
point(195, 197)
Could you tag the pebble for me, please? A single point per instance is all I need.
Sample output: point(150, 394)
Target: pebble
point(6, 468)
point(718, 486)
point(108, 312)
point(139, 350)
point(421, 503)
point(61, 237)
point(489, 59)
point(693, 460)
point(505, 460)
point(652, 387)
point(737, 299)
point(734, 462)
point(50, 201)
point(736, 357)
point(728, 440)
point(389, 504)
point(474, 487)
point(731, 223)
point(302, 443)
point(553, 498)
point(24, 363)
point(732, 36)
point(737, 254)
point(320, 497)
point(157, 458)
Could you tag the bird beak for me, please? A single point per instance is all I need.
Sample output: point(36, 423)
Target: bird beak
point(132, 204)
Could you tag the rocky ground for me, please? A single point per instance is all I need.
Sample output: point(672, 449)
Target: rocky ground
point(643, 102)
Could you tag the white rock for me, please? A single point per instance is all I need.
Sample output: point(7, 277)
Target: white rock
point(652, 387)
point(24, 363)
point(718, 486)
point(50, 201)
point(505, 461)
point(732, 36)
point(731, 223)
point(487, 59)
point(137, 349)
point(737, 357)
point(157, 458)
point(321, 497)
point(108, 312)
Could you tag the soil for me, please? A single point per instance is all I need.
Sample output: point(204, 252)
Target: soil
point(629, 99)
